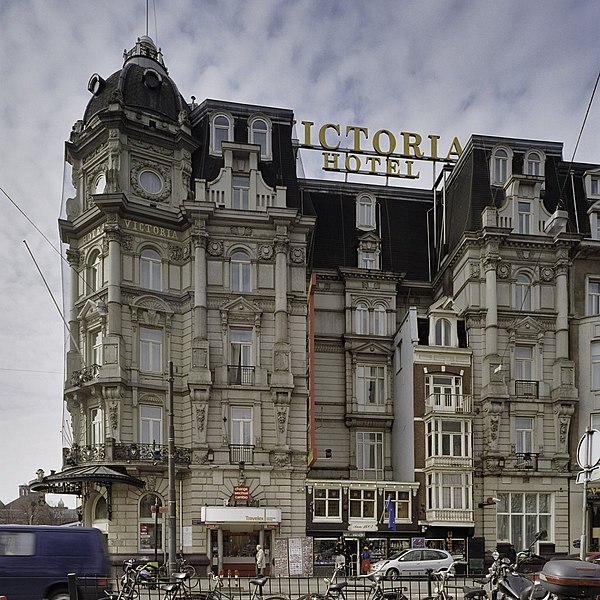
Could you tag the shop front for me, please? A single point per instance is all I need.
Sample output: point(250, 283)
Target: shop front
point(233, 532)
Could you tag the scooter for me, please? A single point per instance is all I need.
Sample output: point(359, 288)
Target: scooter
point(506, 583)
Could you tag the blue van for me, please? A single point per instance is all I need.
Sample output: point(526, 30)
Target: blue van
point(36, 559)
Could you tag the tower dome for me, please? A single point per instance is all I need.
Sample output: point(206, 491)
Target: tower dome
point(142, 84)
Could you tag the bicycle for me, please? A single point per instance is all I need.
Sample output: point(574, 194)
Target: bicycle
point(334, 591)
point(216, 592)
point(440, 582)
point(377, 591)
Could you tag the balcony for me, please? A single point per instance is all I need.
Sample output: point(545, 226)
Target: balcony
point(441, 516)
point(240, 453)
point(526, 461)
point(85, 375)
point(444, 462)
point(526, 389)
point(448, 403)
point(156, 454)
point(240, 375)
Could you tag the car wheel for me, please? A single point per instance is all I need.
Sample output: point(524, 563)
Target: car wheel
point(392, 574)
point(59, 594)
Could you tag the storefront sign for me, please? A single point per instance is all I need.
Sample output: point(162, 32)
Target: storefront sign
point(239, 514)
point(353, 149)
point(362, 527)
point(241, 492)
point(151, 229)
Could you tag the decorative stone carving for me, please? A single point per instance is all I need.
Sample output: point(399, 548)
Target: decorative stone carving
point(298, 255)
point(265, 251)
point(475, 269)
point(215, 248)
point(546, 273)
point(137, 167)
point(563, 413)
point(73, 258)
point(503, 270)
point(127, 242)
point(244, 231)
point(492, 410)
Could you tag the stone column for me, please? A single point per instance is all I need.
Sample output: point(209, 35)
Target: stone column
point(281, 289)
point(200, 239)
point(114, 278)
point(74, 358)
point(491, 302)
point(562, 306)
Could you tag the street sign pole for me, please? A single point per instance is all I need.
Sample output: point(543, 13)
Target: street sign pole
point(588, 457)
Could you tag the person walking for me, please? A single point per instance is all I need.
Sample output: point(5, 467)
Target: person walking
point(261, 562)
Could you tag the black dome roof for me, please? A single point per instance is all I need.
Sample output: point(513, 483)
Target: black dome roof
point(143, 83)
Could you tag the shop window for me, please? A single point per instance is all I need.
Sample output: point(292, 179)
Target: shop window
point(150, 526)
point(519, 515)
point(151, 269)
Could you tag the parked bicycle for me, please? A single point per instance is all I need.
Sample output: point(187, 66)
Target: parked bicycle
point(377, 591)
point(216, 592)
point(439, 581)
point(334, 590)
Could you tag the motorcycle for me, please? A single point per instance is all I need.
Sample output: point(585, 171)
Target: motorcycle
point(506, 583)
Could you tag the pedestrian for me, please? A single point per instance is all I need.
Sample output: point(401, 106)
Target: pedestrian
point(261, 562)
point(365, 560)
point(340, 559)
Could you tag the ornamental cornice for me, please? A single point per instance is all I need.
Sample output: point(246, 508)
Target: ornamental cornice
point(135, 143)
point(346, 274)
point(73, 258)
point(333, 347)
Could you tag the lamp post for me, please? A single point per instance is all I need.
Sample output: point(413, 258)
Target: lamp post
point(172, 500)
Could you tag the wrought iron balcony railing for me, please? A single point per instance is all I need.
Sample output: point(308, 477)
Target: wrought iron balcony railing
point(526, 389)
point(113, 452)
point(240, 375)
point(240, 453)
point(448, 403)
point(526, 461)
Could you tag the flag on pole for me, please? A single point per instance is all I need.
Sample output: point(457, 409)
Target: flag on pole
point(391, 511)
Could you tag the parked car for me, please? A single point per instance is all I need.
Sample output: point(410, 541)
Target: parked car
point(413, 562)
point(35, 561)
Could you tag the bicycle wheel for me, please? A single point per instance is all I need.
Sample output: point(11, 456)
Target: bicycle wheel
point(189, 570)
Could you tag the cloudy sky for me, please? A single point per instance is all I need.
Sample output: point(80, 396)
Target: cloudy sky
point(446, 67)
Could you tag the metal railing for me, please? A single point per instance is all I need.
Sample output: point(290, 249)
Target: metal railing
point(240, 453)
point(526, 389)
point(448, 403)
point(240, 375)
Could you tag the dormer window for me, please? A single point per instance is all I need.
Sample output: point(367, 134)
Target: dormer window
point(369, 251)
point(222, 131)
point(365, 212)
point(443, 333)
point(533, 163)
point(260, 134)
point(501, 167)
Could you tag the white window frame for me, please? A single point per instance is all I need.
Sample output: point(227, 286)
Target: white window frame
point(595, 365)
point(402, 504)
point(524, 434)
point(93, 279)
point(523, 292)
point(240, 266)
point(593, 297)
point(524, 362)
point(520, 514)
point(151, 424)
point(534, 162)
point(501, 165)
point(443, 391)
point(365, 212)
point(96, 426)
point(379, 319)
point(242, 425)
point(240, 194)
point(450, 490)
point(95, 338)
point(370, 385)
point(151, 269)
point(261, 137)
point(524, 217)
point(220, 131)
point(369, 454)
point(363, 503)
point(151, 349)
point(595, 225)
point(361, 318)
point(449, 438)
point(442, 332)
point(330, 500)
point(368, 259)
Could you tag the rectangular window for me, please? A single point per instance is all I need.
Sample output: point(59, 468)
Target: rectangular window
point(524, 363)
point(241, 192)
point(96, 427)
point(367, 260)
point(362, 504)
point(327, 504)
point(520, 515)
point(448, 438)
point(150, 424)
point(593, 296)
point(370, 385)
point(401, 504)
point(369, 454)
point(17, 543)
point(595, 365)
point(241, 425)
point(523, 434)
point(151, 342)
point(444, 392)
point(96, 357)
point(449, 491)
point(524, 217)
point(595, 186)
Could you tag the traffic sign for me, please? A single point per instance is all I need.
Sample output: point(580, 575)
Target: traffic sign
point(588, 449)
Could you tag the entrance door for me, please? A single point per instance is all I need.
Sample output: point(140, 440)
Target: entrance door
point(352, 556)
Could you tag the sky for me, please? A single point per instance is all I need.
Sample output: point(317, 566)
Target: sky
point(451, 68)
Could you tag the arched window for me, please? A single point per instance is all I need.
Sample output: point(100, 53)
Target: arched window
point(150, 269)
point(222, 131)
point(379, 320)
point(522, 292)
point(365, 212)
point(240, 272)
point(533, 163)
point(361, 316)
point(101, 509)
point(99, 184)
point(94, 272)
point(443, 333)
point(260, 134)
point(500, 167)
point(150, 527)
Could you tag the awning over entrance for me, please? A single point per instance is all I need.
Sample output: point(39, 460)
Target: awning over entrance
point(72, 480)
point(217, 515)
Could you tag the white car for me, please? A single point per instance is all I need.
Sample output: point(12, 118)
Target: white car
point(413, 562)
